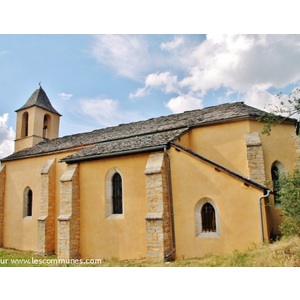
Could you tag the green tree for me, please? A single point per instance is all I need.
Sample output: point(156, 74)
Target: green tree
point(289, 106)
point(289, 198)
point(287, 187)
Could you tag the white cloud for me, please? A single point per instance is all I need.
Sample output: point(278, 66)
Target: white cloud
point(261, 99)
point(244, 62)
point(107, 112)
point(178, 40)
point(65, 96)
point(141, 92)
point(135, 56)
point(248, 65)
point(184, 103)
point(270, 102)
point(126, 54)
point(162, 81)
point(3, 52)
point(7, 136)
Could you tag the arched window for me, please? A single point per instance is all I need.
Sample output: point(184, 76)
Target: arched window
point(114, 194)
point(206, 219)
point(117, 194)
point(25, 118)
point(46, 126)
point(27, 203)
point(276, 169)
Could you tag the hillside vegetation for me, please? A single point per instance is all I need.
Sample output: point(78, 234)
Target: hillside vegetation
point(283, 253)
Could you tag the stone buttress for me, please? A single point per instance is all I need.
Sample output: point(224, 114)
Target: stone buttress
point(2, 194)
point(46, 221)
point(69, 219)
point(255, 158)
point(158, 220)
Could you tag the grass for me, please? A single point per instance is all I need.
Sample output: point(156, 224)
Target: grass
point(283, 253)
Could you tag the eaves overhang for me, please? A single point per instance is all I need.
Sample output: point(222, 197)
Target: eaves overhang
point(113, 154)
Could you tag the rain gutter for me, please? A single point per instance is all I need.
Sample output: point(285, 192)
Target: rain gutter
point(260, 213)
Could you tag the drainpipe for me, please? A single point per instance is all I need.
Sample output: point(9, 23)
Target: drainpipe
point(171, 203)
point(261, 217)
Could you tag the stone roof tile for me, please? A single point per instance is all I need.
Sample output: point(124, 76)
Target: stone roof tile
point(140, 142)
point(124, 136)
point(39, 98)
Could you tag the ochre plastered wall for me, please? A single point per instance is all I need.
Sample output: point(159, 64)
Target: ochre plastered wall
point(19, 232)
point(193, 180)
point(223, 143)
point(104, 237)
point(226, 144)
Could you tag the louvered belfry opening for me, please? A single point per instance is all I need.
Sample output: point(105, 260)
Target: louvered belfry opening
point(117, 194)
point(208, 218)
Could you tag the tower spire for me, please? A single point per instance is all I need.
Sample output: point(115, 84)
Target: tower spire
point(37, 120)
point(39, 98)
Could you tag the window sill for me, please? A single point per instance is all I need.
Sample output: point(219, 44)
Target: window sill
point(116, 216)
point(208, 235)
point(28, 217)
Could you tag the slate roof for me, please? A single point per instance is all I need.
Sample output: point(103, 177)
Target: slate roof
point(138, 135)
point(139, 143)
point(39, 98)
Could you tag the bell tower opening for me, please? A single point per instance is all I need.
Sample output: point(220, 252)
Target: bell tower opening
point(25, 124)
point(46, 126)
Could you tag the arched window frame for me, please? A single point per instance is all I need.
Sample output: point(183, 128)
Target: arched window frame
point(109, 208)
point(199, 232)
point(281, 170)
point(27, 203)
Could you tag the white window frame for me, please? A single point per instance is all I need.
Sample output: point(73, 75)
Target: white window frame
point(109, 195)
point(198, 220)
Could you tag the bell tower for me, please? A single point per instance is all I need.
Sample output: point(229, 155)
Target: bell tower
point(37, 120)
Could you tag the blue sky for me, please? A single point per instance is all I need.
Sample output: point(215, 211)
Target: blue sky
point(103, 80)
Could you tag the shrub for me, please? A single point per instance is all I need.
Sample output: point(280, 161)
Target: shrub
point(289, 198)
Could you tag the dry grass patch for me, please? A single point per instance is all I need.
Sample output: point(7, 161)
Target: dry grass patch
point(284, 253)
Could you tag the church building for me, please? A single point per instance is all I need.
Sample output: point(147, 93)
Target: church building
point(178, 186)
